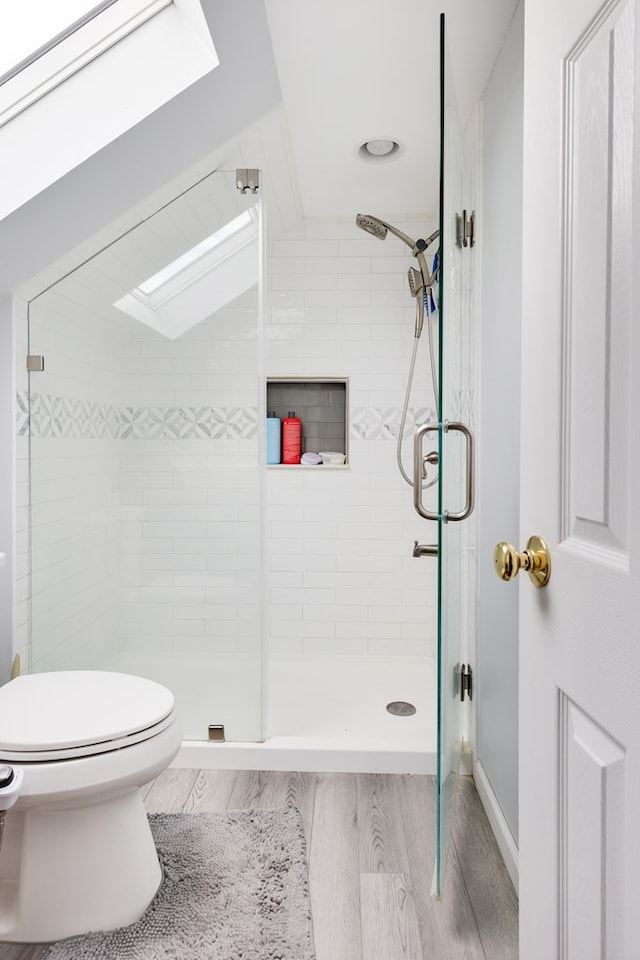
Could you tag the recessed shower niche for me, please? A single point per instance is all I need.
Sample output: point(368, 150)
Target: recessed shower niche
point(321, 403)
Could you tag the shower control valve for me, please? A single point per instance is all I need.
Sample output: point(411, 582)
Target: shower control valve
point(431, 458)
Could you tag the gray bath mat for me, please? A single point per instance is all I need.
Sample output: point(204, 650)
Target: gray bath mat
point(235, 888)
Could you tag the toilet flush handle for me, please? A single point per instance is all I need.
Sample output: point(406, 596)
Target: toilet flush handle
point(7, 774)
point(10, 783)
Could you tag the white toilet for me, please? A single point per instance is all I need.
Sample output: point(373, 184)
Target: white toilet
point(77, 853)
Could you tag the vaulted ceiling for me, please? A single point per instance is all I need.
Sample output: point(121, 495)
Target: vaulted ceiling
point(301, 84)
point(352, 70)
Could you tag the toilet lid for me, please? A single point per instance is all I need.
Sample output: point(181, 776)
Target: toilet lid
point(76, 708)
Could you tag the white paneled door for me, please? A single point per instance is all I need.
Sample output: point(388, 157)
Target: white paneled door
point(580, 490)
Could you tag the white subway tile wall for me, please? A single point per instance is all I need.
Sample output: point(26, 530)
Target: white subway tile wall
point(191, 483)
point(147, 538)
point(23, 562)
point(342, 579)
point(75, 487)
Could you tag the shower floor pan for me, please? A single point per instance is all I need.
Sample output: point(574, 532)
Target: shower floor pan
point(325, 714)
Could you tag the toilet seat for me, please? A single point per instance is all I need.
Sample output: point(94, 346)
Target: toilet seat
point(79, 713)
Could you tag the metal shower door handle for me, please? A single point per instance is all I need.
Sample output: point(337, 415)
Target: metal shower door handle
point(470, 474)
point(419, 460)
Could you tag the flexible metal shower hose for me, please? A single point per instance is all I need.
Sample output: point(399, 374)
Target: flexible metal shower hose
point(424, 306)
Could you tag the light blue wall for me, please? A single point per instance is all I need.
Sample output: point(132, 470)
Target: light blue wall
point(496, 686)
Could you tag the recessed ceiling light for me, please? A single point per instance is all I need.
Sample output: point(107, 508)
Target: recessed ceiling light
point(379, 149)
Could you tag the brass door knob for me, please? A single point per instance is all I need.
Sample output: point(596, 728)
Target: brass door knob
point(535, 559)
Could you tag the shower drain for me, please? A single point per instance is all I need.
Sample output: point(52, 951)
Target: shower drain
point(401, 708)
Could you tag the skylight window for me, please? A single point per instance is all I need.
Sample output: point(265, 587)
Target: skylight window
point(45, 43)
point(198, 282)
point(31, 25)
point(192, 256)
point(77, 74)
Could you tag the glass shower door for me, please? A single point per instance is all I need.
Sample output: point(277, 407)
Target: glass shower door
point(455, 448)
point(145, 458)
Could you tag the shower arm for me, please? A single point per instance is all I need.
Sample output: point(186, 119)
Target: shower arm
point(379, 228)
point(417, 249)
point(419, 254)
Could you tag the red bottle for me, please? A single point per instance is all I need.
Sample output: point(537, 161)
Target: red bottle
point(291, 438)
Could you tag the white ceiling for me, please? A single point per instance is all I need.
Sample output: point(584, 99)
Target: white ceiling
point(348, 70)
point(351, 70)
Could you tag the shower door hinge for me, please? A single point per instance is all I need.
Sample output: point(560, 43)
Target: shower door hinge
point(247, 179)
point(466, 229)
point(35, 363)
point(464, 681)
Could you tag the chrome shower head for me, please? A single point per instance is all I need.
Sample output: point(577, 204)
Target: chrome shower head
point(372, 225)
point(379, 229)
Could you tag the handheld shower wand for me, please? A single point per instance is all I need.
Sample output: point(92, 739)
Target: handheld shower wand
point(420, 284)
point(419, 290)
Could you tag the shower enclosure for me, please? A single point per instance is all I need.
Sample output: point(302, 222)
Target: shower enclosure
point(146, 520)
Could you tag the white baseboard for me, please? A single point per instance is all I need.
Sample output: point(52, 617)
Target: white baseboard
point(504, 837)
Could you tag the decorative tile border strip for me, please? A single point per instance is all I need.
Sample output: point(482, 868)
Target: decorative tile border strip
point(84, 419)
point(188, 423)
point(463, 404)
point(383, 423)
point(22, 413)
point(62, 417)
point(73, 419)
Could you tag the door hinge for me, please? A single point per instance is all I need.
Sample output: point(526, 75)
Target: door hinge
point(247, 179)
point(35, 363)
point(465, 675)
point(466, 229)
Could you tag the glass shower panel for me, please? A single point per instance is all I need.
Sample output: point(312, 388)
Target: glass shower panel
point(145, 459)
point(453, 455)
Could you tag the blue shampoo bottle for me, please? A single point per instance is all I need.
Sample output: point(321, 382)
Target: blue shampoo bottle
point(274, 437)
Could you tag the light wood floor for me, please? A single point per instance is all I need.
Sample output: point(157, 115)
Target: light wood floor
point(370, 847)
